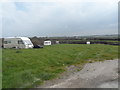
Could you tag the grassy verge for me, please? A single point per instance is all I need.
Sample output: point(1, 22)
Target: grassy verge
point(30, 67)
point(0, 68)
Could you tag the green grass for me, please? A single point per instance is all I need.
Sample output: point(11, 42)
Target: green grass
point(0, 68)
point(30, 67)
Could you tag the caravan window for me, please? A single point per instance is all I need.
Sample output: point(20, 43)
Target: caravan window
point(28, 42)
point(47, 42)
point(20, 42)
point(7, 42)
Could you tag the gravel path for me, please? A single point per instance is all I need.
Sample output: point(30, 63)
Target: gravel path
point(93, 75)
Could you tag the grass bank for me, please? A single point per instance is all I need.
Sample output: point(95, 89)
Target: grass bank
point(30, 67)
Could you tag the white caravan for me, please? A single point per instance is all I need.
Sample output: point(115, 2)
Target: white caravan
point(88, 42)
point(17, 42)
point(47, 42)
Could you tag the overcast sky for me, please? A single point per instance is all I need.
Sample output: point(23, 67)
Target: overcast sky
point(58, 18)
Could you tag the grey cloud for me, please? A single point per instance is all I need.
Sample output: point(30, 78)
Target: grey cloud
point(52, 19)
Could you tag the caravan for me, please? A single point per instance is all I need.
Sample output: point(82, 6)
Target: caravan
point(47, 43)
point(17, 42)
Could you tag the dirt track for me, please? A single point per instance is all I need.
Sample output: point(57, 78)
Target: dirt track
point(93, 75)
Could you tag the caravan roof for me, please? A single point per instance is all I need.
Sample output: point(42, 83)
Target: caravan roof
point(23, 38)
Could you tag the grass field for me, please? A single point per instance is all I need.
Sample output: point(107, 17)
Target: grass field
point(30, 67)
point(0, 68)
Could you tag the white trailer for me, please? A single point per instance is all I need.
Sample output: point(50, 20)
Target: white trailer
point(17, 42)
point(47, 43)
point(88, 42)
point(57, 42)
